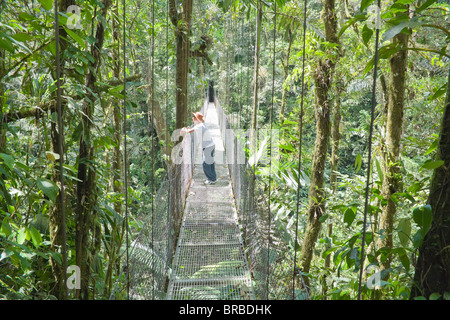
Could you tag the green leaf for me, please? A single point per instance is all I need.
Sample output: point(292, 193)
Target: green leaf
point(425, 5)
point(8, 160)
point(435, 296)
point(403, 258)
point(365, 4)
point(22, 235)
point(423, 216)
point(393, 31)
point(351, 22)
point(379, 170)
point(286, 147)
point(76, 37)
point(432, 147)
point(366, 34)
point(5, 43)
point(349, 216)
point(404, 231)
point(36, 237)
point(48, 187)
point(324, 217)
point(358, 162)
point(417, 239)
point(432, 164)
point(23, 16)
point(6, 227)
point(22, 36)
point(46, 4)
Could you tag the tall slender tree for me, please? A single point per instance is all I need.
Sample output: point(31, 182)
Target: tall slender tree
point(391, 148)
point(86, 173)
point(182, 23)
point(323, 76)
point(56, 212)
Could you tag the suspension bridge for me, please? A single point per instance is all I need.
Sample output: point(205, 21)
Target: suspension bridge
point(227, 248)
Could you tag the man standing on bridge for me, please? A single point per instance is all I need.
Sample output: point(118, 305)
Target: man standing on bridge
point(208, 146)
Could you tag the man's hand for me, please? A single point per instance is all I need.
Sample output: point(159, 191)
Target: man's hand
point(186, 130)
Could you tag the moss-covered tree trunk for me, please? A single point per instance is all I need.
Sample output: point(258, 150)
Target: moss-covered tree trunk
point(2, 102)
point(334, 160)
point(182, 24)
point(116, 164)
point(86, 192)
point(432, 273)
point(323, 74)
point(391, 149)
point(56, 222)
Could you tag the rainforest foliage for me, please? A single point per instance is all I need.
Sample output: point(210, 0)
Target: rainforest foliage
point(258, 57)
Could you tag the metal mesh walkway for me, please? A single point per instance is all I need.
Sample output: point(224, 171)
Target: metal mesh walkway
point(209, 260)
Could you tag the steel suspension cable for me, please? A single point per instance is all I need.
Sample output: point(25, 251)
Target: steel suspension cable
point(369, 156)
point(270, 148)
point(60, 149)
point(152, 180)
point(125, 155)
point(300, 147)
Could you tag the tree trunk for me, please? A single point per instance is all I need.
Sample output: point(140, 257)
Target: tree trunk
point(117, 230)
point(86, 174)
point(2, 102)
point(322, 79)
point(182, 23)
point(432, 273)
point(56, 215)
point(391, 153)
point(336, 137)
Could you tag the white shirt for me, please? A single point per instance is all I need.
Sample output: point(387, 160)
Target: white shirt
point(203, 135)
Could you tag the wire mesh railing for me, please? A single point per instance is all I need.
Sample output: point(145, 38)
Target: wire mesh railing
point(145, 276)
point(275, 274)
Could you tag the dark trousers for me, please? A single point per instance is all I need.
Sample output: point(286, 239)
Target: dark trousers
point(208, 163)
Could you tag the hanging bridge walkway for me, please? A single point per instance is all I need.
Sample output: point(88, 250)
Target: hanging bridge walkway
point(209, 260)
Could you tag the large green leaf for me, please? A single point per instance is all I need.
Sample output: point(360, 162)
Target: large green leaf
point(22, 36)
point(349, 215)
point(404, 231)
point(425, 5)
point(36, 237)
point(48, 187)
point(46, 4)
point(358, 162)
point(76, 37)
point(393, 31)
point(6, 227)
point(5, 43)
point(8, 160)
point(423, 216)
point(21, 235)
point(365, 4)
point(366, 34)
point(403, 257)
point(432, 164)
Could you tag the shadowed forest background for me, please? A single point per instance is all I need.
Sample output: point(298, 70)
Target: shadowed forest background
point(257, 55)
